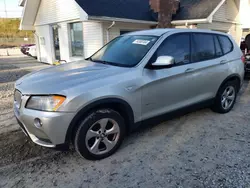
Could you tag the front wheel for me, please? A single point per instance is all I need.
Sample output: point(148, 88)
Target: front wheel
point(100, 134)
point(225, 98)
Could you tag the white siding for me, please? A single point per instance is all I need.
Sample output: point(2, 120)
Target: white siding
point(226, 19)
point(227, 12)
point(58, 11)
point(92, 37)
point(47, 50)
point(46, 46)
point(38, 48)
point(245, 13)
point(115, 31)
point(230, 28)
point(236, 32)
point(218, 26)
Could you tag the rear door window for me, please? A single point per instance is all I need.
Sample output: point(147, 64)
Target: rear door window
point(203, 47)
point(226, 44)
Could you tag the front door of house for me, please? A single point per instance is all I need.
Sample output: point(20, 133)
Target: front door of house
point(56, 42)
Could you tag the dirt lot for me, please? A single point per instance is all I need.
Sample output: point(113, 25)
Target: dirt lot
point(199, 149)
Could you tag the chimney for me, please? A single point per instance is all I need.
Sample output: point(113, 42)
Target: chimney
point(165, 10)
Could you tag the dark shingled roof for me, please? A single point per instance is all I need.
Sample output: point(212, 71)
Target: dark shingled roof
point(195, 9)
point(128, 9)
point(140, 9)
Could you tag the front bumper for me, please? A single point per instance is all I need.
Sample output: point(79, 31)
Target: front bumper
point(54, 125)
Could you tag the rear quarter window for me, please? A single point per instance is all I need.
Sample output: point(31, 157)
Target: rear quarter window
point(226, 44)
point(218, 50)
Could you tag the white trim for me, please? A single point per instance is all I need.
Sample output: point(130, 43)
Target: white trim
point(210, 17)
point(28, 4)
point(21, 3)
point(68, 21)
point(83, 13)
point(181, 22)
point(21, 26)
point(26, 27)
point(104, 18)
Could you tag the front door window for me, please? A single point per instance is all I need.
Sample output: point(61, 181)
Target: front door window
point(177, 46)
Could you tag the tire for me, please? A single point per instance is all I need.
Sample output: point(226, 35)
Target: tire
point(219, 106)
point(94, 140)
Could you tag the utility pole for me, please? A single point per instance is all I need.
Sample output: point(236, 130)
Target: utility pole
point(5, 9)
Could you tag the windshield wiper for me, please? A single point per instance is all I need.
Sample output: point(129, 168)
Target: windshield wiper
point(104, 62)
point(90, 59)
point(107, 62)
point(99, 61)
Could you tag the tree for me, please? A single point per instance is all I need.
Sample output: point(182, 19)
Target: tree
point(165, 10)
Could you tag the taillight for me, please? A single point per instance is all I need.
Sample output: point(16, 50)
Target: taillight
point(243, 59)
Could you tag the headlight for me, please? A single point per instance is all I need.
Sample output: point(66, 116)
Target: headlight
point(45, 103)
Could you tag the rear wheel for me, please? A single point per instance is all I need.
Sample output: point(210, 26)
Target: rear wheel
point(100, 134)
point(226, 97)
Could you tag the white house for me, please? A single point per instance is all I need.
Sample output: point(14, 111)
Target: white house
point(71, 30)
point(245, 16)
point(228, 16)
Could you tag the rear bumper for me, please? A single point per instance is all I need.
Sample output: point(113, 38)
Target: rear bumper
point(54, 127)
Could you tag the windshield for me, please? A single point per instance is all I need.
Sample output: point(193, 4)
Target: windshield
point(126, 51)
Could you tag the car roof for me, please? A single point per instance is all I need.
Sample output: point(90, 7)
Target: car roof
point(159, 32)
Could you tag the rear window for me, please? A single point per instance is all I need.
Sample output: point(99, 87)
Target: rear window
point(226, 44)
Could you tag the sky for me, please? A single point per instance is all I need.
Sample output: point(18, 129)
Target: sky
point(13, 10)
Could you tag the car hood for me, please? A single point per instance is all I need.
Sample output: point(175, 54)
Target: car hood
point(55, 80)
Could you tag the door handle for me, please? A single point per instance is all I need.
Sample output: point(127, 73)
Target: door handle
point(223, 61)
point(189, 70)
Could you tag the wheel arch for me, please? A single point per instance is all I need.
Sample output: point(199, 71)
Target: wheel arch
point(233, 77)
point(116, 104)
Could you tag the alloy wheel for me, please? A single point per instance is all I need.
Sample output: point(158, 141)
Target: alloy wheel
point(102, 136)
point(228, 97)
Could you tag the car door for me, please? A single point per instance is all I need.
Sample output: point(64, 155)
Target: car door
point(210, 65)
point(168, 89)
point(193, 78)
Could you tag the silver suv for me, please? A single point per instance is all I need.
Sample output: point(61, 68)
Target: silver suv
point(137, 76)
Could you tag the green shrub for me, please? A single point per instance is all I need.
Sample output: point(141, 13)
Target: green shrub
point(9, 28)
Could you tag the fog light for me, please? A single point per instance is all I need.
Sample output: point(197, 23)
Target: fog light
point(38, 123)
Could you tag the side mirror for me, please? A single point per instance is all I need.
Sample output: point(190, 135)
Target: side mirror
point(163, 61)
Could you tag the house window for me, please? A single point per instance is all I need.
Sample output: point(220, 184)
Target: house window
point(76, 34)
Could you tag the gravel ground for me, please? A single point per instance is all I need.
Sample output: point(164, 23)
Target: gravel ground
point(199, 149)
